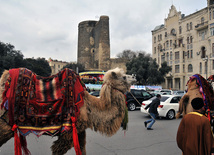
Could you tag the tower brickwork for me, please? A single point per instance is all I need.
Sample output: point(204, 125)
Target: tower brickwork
point(86, 43)
point(94, 44)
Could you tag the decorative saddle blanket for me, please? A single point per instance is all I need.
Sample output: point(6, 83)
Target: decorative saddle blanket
point(43, 104)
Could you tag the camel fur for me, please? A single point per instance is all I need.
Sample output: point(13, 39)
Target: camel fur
point(194, 90)
point(103, 115)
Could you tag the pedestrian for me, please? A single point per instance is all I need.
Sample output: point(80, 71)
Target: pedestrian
point(153, 112)
point(194, 135)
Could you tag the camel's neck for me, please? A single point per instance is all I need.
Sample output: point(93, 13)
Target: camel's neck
point(108, 121)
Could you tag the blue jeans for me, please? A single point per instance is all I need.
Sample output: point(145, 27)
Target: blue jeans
point(152, 120)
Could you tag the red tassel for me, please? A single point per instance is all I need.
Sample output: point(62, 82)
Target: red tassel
point(17, 144)
point(208, 115)
point(75, 137)
point(23, 143)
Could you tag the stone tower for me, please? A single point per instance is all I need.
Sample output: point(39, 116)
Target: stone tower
point(94, 44)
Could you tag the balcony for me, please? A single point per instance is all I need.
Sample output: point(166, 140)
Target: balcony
point(182, 46)
point(201, 26)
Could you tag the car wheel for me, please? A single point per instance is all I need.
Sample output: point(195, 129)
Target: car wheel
point(131, 106)
point(170, 114)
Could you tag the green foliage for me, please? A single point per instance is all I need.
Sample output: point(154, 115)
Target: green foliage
point(11, 58)
point(127, 54)
point(40, 66)
point(147, 70)
point(75, 67)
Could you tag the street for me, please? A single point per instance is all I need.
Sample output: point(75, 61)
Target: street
point(136, 141)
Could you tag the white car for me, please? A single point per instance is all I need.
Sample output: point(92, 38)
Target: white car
point(168, 106)
point(163, 92)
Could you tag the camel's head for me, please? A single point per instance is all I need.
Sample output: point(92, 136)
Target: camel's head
point(185, 102)
point(118, 79)
point(197, 87)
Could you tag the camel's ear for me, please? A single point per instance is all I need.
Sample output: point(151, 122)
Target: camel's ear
point(114, 75)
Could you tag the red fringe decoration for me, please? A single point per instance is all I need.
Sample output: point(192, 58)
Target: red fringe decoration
point(208, 114)
point(75, 137)
point(14, 73)
point(20, 142)
point(24, 145)
point(17, 144)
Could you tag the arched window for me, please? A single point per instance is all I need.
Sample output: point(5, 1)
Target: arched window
point(167, 44)
point(190, 39)
point(160, 47)
point(202, 19)
point(190, 25)
point(167, 57)
point(187, 26)
point(203, 52)
point(190, 69)
point(187, 40)
point(170, 55)
point(173, 31)
point(180, 29)
point(154, 39)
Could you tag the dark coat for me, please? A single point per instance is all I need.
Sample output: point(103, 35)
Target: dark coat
point(153, 106)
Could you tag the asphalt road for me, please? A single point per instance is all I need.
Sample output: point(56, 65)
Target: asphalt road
point(136, 141)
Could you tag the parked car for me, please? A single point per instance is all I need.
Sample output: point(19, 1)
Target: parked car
point(163, 92)
point(140, 95)
point(95, 93)
point(179, 92)
point(168, 107)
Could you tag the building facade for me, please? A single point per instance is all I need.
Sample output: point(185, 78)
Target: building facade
point(186, 43)
point(94, 46)
point(56, 65)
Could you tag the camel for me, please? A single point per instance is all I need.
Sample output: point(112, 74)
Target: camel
point(104, 114)
point(197, 86)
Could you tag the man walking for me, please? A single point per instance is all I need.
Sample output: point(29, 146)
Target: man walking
point(152, 111)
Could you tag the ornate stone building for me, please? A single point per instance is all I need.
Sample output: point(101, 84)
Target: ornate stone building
point(94, 46)
point(186, 43)
point(56, 65)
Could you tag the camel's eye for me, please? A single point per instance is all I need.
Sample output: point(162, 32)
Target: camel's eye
point(124, 78)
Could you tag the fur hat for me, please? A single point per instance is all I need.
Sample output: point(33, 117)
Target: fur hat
point(197, 103)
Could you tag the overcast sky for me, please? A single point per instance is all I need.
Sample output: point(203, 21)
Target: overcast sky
point(49, 28)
